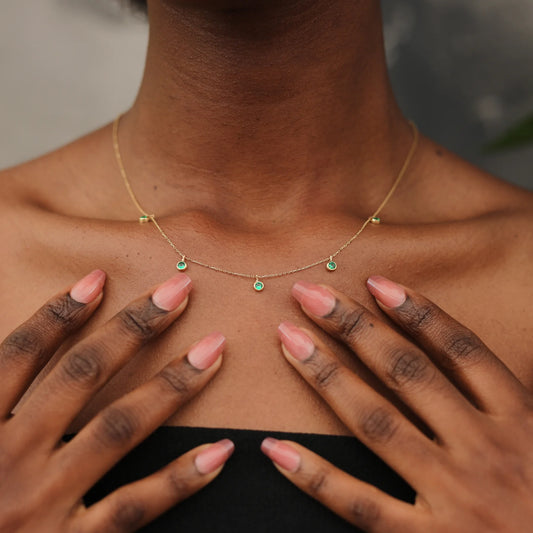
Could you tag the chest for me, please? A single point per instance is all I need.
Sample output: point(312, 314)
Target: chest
point(255, 388)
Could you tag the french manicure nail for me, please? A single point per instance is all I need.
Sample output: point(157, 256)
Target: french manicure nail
point(203, 354)
point(169, 295)
point(282, 454)
point(297, 342)
point(386, 291)
point(87, 289)
point(317, 300)
point(214, 457)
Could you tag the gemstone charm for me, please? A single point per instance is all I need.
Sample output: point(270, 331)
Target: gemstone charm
point(375, 220)
point(331, 266)
point(144, 219)
point(258, 285)
point(181, 265)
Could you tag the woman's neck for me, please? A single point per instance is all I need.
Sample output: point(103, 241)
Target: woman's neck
point(279, 107)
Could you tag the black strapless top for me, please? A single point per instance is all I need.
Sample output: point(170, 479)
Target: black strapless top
point(250, 494)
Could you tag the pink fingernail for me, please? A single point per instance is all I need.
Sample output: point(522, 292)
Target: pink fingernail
point(386, 291)
point(297, 342)
point(214, 457)
point(282, 454)
point(88, 289)
point(203, 354)
point(169, 295)
point(317, 300)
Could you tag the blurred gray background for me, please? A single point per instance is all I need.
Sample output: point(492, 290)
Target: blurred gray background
point(462, 69)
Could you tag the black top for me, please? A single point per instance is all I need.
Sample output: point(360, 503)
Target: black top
point(250, 495)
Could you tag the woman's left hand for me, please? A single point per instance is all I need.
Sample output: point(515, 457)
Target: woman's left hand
point(474, 475)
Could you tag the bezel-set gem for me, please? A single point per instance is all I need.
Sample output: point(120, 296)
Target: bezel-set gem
point(144, 219)
point(181, 265)
point(331, 266)
point(375, 220)
point(259, 285)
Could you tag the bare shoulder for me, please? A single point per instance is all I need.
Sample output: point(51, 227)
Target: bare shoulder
point(63, 177)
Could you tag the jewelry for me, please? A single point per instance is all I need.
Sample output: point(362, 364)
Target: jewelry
point(259, 284)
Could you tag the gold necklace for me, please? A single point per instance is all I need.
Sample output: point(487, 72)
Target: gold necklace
point(259, 284)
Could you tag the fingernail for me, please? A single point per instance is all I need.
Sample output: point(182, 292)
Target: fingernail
point(281, 453)
point(317, 300)
point(169, 295)
point(203, 354)
point(297, 342)
point(386, 291)
point(87, 289)
point(214, 457)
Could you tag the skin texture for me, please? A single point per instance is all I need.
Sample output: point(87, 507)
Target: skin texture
point(473, 467)
point(262, 138)
point(43, 479)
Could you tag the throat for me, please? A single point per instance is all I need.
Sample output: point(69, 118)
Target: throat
point(262, 103)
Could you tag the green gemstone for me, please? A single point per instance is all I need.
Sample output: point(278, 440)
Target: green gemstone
point(182, 265)
point(259, 286)
point(143, 219)
point(331, 266)
point(376, 220)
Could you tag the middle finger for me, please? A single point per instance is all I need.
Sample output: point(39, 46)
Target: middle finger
point(88, 365)
point(399, 364)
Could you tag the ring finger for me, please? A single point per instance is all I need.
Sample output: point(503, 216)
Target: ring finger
point(370, 417)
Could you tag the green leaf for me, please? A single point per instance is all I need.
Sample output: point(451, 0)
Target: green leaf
point(517, 136)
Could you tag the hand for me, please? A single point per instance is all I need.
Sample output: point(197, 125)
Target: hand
point(475, 475)
point(43, 479)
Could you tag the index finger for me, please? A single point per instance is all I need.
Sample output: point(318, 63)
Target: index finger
point(28, 348)
point(492, 386)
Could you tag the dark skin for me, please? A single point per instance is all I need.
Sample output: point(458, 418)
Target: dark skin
point(262, 137)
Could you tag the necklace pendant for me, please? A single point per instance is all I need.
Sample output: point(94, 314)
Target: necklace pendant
point(375, 220)
point(181, 265)
point(144, 219)
point(258, 285)
point(331, 265)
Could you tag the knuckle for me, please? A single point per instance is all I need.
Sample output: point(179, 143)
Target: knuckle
point(83, 366)
point(325, 375)
point(418, 317)
point(318, 482)
point(63, 311)
point(173, 379)
point(364, 512)
point(141, 320)
point(179, 485)
point(23, 342)
point(379, 425)
point(116, 427)
point(407, 366)
point(127, 514)
point(351, 322)
point(463, 346)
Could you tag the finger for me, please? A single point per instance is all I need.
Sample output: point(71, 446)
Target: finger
point(370, 417)
point(357, 502)
point(135, 505)
point(125, 423)
point(487, 380)
point(88, 365)
point(26, 350)
point(398, 363)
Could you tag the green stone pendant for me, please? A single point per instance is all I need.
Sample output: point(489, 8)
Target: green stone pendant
point(258, 285)
point(181, 265)
point(144, 219)
point(331, 266)
point(375, 220)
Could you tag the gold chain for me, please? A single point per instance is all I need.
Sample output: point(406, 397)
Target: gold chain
point(259, 285)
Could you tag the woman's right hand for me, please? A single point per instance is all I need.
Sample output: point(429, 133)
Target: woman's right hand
point(42, 479)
